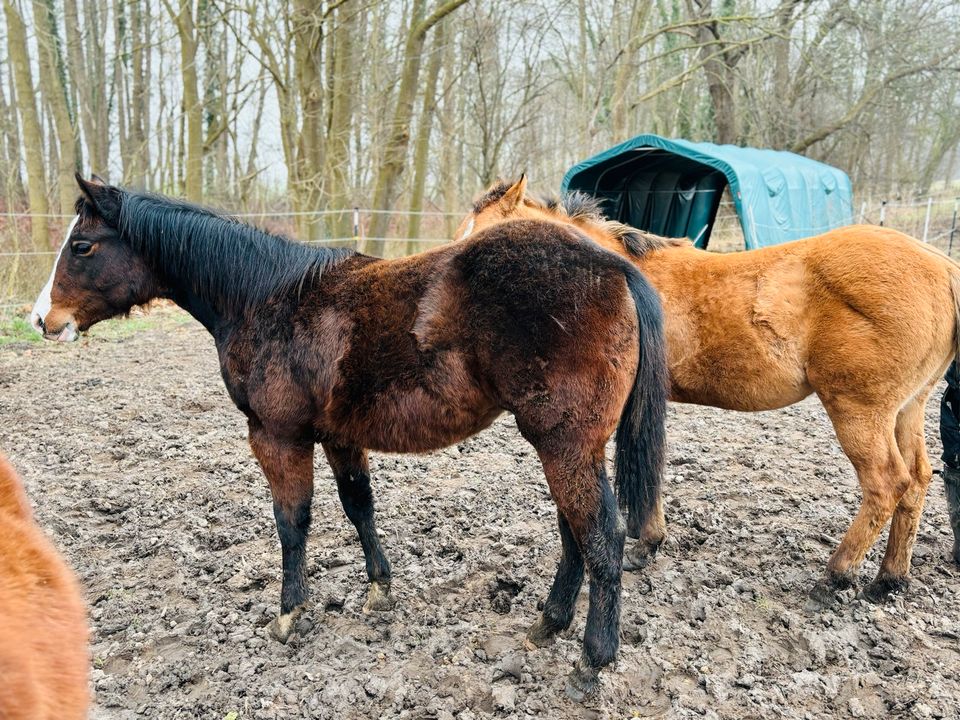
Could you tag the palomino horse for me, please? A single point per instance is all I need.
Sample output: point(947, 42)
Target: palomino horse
point(863, 316)
point(408, 355)
point(43, 624)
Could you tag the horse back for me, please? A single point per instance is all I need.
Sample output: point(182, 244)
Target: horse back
point(412, 354)
point(43, 636)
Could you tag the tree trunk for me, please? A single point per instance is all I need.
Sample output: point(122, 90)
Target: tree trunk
point(192, 107)
point(10, 172)
point(342, 87)
point(395, 151)
point(422, 146)
point(308, 59)
point(626, 71)
point(30, 122)
point(139, 95)
point(718, 62)
point(54, 90)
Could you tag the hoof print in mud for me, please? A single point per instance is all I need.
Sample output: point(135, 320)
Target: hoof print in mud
point(502, 593)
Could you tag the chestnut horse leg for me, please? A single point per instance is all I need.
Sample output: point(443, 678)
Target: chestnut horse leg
point(867, 437)
point(559, 609)
point(583, 495)
point(895, 568)
point(352, 473)
point(288, 465)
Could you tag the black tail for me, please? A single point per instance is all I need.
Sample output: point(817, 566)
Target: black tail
point(641, 434)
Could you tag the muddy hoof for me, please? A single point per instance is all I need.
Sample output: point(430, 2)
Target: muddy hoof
point(822, 595)
point(825, 592)
point(378, 598)
point(283, 625)
point(582, 682)
point(639, 555)
point(541, 633)
point(884, 586)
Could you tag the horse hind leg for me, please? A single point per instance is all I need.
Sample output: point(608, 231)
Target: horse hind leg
point(895, 568)
point(867, 437)
point(585, 499)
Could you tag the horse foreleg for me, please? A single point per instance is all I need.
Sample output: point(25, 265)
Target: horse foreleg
point(352, 473)
point(559, 609)
point(288, 465)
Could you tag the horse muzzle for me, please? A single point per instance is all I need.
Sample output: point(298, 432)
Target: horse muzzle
point(68, 333)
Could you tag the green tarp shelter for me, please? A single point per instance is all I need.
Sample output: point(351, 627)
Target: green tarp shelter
point(673, 187)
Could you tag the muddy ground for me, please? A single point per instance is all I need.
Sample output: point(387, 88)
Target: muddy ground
point(138, 466)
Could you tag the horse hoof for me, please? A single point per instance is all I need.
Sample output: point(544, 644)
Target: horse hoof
point(824, 592)
point(540, 634)
point(281, 628)
point(884, 586)
point(639, 555)
point(582, 682)
point(378, 598)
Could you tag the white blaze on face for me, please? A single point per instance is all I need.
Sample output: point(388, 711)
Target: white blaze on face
point(42, 304)
point(469, 229)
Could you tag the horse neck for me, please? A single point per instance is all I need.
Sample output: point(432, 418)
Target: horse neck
point(222, 272)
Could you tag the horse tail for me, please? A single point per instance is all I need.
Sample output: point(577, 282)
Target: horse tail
point(641, 433)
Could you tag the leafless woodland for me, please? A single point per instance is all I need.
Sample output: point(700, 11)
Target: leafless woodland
point(414, 105)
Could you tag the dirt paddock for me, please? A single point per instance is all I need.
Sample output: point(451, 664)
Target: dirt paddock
point(138, 467)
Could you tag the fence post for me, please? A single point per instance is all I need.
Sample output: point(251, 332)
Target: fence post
point(883, 211)
point(953, 224)
point(356, 224)
point(926, 222)
point(863, 211)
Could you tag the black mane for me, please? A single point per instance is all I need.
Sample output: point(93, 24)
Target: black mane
point(221, 260)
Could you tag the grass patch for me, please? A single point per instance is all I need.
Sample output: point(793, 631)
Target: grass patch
point(17, 329)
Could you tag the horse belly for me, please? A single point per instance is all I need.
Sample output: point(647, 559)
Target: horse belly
point(443, 406)
point(418, 422)
point(746, 347)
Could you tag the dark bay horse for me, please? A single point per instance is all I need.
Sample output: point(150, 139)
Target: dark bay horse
point(407, 355)
point(44, 658)
point(864, 316)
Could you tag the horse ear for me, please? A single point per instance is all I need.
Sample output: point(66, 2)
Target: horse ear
point(103, 198)
point(514, 194)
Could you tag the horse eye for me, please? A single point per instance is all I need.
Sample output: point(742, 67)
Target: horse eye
point(81, 248)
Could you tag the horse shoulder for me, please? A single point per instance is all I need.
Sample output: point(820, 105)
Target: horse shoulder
point(436, 322)
point(781, 300)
